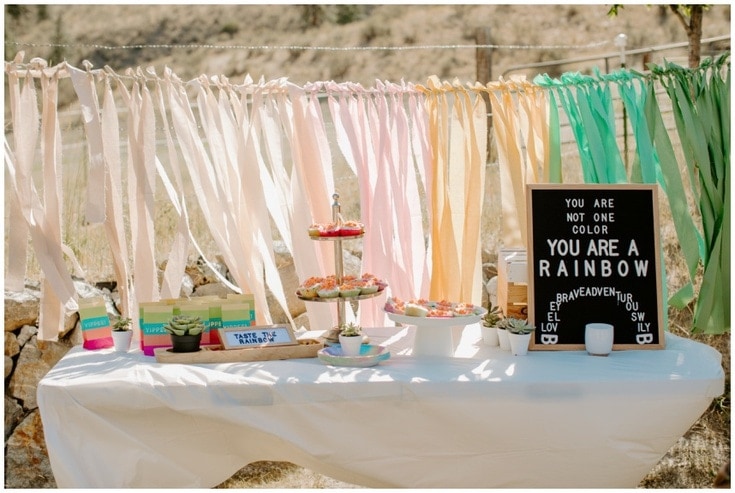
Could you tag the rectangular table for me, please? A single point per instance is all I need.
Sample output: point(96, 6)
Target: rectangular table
point(483, 418)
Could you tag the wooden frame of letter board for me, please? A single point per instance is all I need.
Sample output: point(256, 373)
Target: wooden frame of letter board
point(635, 223)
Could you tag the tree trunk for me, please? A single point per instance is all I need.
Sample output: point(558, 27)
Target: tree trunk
point(695, 36)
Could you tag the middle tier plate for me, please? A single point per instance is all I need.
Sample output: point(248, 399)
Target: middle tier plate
point(341, 298)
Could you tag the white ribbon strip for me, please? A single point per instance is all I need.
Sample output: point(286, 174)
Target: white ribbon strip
point(114, 225)
point(83, 82)
point(141, 189)
point(43, 219)
point(24, 111)
point(313, 185)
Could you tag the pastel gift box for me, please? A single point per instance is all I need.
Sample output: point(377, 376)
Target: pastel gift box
point(95, 323)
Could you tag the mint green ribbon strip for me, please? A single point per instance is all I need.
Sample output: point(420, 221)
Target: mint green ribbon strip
point(701, 106)
point(690, 240)
point(591, 114)
point(555, 173)
point(652, 141)
point(646, 168)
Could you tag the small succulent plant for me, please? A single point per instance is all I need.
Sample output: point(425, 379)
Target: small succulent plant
point(350, 330)
point(182, 325)
point(122, 324)
point(493, 316)
point(518, 325)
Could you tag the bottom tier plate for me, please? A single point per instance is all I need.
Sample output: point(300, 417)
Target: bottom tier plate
point(369, 356)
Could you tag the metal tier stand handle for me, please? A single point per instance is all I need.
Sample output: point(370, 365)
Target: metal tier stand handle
point(338, 265)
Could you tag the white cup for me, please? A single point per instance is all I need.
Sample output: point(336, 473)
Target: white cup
point(598, 339)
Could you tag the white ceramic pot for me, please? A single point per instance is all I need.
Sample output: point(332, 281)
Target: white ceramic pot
point(121, 339)
point(490, 336)
point(519, 343)
point(503, 339)
point(350, 345)
point(598, 338)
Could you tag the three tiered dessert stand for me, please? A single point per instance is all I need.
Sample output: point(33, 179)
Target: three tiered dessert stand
point(332, 335)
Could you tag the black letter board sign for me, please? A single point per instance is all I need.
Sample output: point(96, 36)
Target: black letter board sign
point(593, 256)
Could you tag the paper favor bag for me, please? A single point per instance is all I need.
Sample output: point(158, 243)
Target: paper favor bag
point(95, 323)
point(238, 310)
point(215, 321)
point(153, 317)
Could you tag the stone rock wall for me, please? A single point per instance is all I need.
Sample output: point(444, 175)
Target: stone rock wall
point(27, 360)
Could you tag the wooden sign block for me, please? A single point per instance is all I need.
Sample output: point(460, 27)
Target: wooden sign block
point(512, 283)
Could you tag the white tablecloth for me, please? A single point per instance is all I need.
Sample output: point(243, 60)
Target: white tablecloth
point(483, 418)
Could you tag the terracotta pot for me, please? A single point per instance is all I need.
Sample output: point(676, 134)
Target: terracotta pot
point(186, 344)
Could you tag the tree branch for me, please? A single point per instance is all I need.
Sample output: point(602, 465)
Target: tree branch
point(680, 16)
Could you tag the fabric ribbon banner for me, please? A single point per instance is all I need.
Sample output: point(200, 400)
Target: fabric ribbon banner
point(258, 160)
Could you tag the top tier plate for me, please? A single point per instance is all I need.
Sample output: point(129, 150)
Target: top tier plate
point(337, 237)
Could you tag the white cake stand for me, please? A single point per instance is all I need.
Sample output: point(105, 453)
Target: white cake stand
point(434, 336)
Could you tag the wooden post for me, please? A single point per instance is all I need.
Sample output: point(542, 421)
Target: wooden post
point(483, 56)
point(484, 69)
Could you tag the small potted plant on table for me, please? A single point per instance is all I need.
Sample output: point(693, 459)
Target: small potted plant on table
point(502, 326)
point(519, 335)
point(122, 334)
point(490, 325)
point(186, 333)
point(350, 339)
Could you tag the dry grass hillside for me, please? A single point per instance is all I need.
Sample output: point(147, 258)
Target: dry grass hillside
point(236, 37)
point(272, 41)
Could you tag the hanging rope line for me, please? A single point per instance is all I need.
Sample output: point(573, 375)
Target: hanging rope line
point(314, 48)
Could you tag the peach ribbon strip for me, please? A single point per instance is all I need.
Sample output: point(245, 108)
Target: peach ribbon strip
point(456, 183)
point(521, 130)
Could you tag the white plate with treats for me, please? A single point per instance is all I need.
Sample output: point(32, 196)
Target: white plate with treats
point(434, 321)
point(420, 313)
